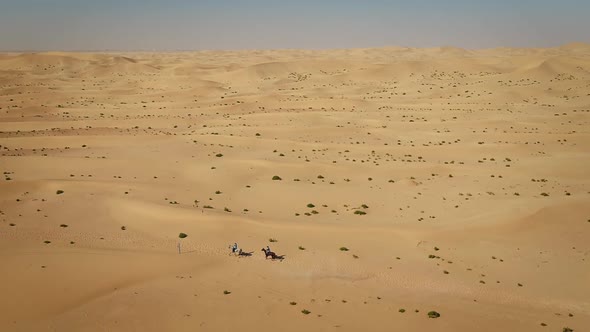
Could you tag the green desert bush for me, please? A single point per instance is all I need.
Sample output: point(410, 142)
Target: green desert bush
point(433, 314)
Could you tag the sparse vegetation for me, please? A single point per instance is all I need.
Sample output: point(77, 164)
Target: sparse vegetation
point(433, 314)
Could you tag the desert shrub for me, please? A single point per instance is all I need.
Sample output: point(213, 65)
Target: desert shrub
point(433, 314)
point(343, 249)
point(359, 212)
point(306, 312)
point(59, 192)
point(276, 178)
point(182, 235)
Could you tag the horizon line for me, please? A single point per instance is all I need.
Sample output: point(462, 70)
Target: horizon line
point(580, 43)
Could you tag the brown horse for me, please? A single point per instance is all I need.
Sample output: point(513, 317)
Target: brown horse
point(272, 255)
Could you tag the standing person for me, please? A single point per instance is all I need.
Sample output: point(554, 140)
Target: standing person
point(234, 248)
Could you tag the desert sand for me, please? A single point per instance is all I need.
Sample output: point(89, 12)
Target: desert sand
point(395, 182)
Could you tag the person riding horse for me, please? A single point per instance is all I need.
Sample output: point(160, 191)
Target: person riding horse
point(272, 255)
point(235, 249)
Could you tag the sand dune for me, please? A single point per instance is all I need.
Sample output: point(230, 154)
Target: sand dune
point(395, 182)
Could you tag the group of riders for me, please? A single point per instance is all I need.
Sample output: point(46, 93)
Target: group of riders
point(235, 250)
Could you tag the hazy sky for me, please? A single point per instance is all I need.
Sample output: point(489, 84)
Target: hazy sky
point(257, 24)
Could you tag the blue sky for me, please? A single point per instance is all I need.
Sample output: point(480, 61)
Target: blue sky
point(264, 24)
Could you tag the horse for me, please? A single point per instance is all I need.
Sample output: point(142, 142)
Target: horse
point(239, 252)
point(235, 252)
point(272, 255)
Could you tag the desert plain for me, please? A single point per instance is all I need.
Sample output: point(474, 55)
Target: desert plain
point(396, 182)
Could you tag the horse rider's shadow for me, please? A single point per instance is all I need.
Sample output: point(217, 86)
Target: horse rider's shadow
point(245, 254)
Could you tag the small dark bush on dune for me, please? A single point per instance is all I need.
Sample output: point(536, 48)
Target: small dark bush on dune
point(433, 314)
